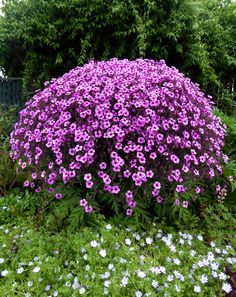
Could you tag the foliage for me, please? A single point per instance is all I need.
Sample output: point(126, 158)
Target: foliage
point(137, 130)
point(230, 136)
point(109, 260)
point(43, 39)
point(7, 167)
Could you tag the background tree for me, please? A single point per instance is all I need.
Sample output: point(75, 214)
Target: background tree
point(43, 39)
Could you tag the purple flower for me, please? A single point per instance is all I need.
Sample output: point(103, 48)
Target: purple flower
point(129, 212)
point(177, 201)
point(135, 119)
point(89, 184)
point(83, 202)
point(103, 165)
point(87, 177)
point(58, 195)
point(88, 208)
point(26, 183)
point(185, 204)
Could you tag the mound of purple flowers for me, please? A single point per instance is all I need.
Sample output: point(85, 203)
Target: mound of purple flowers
point(123, 125)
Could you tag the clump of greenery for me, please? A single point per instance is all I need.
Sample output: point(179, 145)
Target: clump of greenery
point(111, 260)
point(44, 39)
point(7, 167)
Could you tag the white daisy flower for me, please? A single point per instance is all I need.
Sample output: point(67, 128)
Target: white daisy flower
point(222, 276)
point(138, 294)
point(203, 279)
point(4, 272)
point(82, 290)
point(20, 270)
point(141, 274)
point(103, 253)
point(94, 243)
point(124, 281)
point(149, 240)
point(197, 289)
point(2, 260)
point(226, 287)
point(108, 227)
point(154, 284)
point(111, 267)
point(36, 269)
point(107, 283)
point(127, 241)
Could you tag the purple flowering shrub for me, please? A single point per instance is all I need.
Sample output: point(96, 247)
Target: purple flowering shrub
point(123, 127)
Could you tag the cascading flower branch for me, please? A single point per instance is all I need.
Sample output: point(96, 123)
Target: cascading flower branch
point(122, 124)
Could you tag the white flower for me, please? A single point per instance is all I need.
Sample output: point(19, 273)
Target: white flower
point(103, 253)
point(94, 243)
point(69, 275)
point(47, 288)
point(138, 294)
point(55, 293)
point(181, 241)
point(172, 248)
point(83, 250)
point(141, 274)
point(214, 274)
point(177, 288)
point(136, 236)
point(222, 276)
point(36, 269)
point(197, 289)
point(176, 261)
point(154, 284)
point(105, 291)
point(30, 284)
point(105, 275)
point(122, 260)
point(2, 260)
point(203, 279)
point(108, 226)
point(117, 245)
point(212, 244)
point(149, 240)
point(170, 278)
point(127, 241)
point(111, 267)
point(82, 290)
point(85, 256)
point(87, 267)
point(107, 283)
point(20, 270)
point(199, 237)
point(226, 287)
point(4, 272)
point(124, 281)
point(75, 285)
point(214, 266)
point(30, 263)
point(192, 253)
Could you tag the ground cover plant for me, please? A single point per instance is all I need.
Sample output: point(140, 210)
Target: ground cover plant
point(138, 130)
point(111, 260)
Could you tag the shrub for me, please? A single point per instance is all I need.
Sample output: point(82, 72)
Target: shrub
point(138, 130)
point(7, 167)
